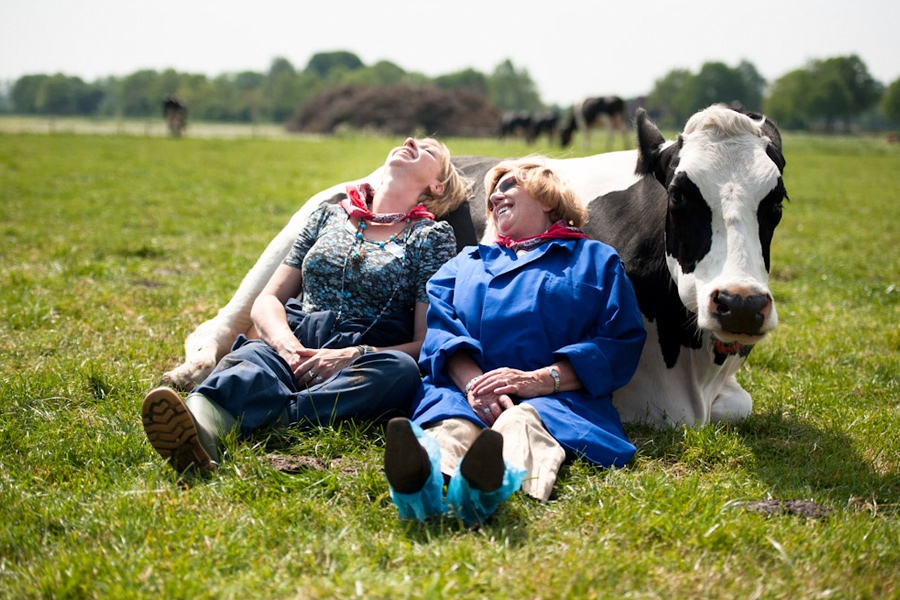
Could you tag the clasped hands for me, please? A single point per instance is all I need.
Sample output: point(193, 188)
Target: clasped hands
point(313, 366)
point(493, 392)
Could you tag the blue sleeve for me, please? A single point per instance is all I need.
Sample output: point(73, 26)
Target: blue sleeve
point(446, 334)
point(609, 358)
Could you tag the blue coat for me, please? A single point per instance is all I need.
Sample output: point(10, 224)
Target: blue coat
point(568, 298)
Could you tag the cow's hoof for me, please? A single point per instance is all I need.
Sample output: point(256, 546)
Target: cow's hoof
point(184, 377)
point(177, 379)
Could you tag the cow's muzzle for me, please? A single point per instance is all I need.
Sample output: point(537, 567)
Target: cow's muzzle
point(741, 313)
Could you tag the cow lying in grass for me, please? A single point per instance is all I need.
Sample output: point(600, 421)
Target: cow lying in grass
point(693, 221)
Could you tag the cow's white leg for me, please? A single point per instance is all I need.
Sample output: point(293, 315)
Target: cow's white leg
point(733, 403)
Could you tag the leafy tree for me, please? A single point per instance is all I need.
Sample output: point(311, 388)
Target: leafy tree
point(322, 63)
point(754, 86)
point(890, 102)
point(381, 73)
point(249, 80)
point(510, 89)
point(665, 100)
point(25, 92)
point(468, 79)
point(823, 94)
point(715, 82)
point(138, 94)
point(680, 93)
point(280, 67)
point(789, 102)
point(843, 89)
point(281, 90)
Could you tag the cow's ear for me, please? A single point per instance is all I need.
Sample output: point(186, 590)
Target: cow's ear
point(773, 150)
point(777, 157)
point(652, 158)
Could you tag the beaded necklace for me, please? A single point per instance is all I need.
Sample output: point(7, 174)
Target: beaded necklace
point(356, 254)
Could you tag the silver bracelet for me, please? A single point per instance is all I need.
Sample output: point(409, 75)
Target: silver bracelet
point(364, 349)
point(470, 384)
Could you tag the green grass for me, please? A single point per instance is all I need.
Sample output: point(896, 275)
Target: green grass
point(114, 248)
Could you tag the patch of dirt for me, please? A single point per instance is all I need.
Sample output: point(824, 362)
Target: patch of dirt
point(287, 463)
point(802, 508)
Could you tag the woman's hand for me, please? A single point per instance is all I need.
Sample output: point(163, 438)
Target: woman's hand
point(513, 382)
point(493, 392)
point(318, 365)
point(489, 406)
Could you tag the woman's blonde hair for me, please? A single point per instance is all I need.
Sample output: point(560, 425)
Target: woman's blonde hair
point(543, 184)
point(457, 187)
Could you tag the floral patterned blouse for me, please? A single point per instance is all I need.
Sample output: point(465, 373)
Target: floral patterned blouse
point(383, 278)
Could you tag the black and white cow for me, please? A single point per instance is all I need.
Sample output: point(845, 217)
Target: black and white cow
point(514, 123)
point(608, 111)
point(692, 220)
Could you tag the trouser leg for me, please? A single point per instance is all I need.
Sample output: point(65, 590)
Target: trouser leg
point(375, 387)
point(252, 383)
point(527, 442)
point(454, 436)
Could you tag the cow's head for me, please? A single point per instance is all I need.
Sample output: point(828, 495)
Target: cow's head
point(723, 178)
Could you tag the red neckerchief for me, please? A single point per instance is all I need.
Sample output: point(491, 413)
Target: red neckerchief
point(559, 230)
point(358, 202)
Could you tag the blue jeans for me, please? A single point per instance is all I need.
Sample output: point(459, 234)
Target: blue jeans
point(255, 385)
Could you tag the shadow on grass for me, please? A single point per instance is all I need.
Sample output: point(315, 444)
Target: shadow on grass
point(795, 459)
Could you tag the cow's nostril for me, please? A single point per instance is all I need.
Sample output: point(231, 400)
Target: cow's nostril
point(741, 314)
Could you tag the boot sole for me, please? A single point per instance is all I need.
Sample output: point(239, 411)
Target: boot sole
point(483, 465)
point(406, 463)
point(172, 432)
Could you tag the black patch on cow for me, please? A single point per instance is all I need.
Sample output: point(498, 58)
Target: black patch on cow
point(774, 153)
point(688, 223)
point(768, 216)
point(472, 226)
point(463, 228)
point(632, 221)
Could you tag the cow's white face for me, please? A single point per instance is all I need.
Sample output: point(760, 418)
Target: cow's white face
point(725, 194)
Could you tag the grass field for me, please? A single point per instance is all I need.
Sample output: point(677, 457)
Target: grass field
point(115, 247)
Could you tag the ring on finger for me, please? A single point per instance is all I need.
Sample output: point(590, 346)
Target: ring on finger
point(311, 374)
point(486, 410)
point(319, 379)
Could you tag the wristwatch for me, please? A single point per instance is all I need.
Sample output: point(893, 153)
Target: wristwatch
point(365, 349)
point(555, 375)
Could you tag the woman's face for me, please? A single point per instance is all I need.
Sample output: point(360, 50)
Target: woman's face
point(515, 212)
point(420, 161)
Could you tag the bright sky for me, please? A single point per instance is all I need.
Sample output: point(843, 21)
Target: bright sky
point(571, 48)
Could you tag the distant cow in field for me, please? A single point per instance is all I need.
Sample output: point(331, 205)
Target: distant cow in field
point(176, 115)
point(608, 111)
point(544, 123)
point(692, 220)
point(529, 125)
point(515, 123)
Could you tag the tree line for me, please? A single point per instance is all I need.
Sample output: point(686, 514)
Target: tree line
point(830, 94)
point(249, 96)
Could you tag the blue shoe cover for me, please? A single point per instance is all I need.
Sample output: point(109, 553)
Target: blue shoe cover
point(428, 501)
point(475, 506)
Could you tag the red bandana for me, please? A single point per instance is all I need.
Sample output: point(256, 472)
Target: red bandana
point(358, 202)
point(559, 230)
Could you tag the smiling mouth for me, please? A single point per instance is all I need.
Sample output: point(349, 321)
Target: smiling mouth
point(502, 210)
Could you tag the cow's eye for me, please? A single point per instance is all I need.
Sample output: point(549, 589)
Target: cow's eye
point(676, 197)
